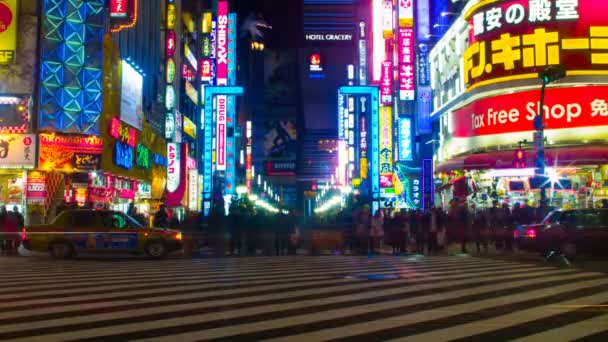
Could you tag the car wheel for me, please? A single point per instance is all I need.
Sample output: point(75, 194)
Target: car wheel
point(156, 249)
point(61, 250)
point(569, 250)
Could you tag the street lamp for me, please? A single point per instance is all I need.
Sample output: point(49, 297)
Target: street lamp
point(551, 73)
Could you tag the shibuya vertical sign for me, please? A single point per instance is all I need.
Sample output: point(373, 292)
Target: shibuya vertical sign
point(222, 43)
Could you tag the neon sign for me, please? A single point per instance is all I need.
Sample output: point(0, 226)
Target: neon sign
point(222, 43)
point(123, 155)
point(142, 156)
point(518, 38)
point(122, 132)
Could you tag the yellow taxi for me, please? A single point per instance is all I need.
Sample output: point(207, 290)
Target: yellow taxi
point(99, 231)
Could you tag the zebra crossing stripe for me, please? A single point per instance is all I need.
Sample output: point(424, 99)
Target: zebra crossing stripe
point(300, 299)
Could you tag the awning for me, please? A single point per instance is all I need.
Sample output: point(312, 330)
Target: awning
point(563, 156)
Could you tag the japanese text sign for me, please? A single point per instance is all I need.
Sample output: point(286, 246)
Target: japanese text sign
point(407, 71)
point(520, 37)
point(386, 83)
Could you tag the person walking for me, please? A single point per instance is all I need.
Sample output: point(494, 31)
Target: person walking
point(10, 231)
point(462, 225)
point(404, 224)
point(433, 229)
point(377, 232)
point(362, 231)
point(509, 226)
point(480, 226)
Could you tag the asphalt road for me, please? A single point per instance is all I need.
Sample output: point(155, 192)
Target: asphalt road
point(300, 298)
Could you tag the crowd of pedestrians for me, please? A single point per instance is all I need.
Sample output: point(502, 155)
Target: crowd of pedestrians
point(430, 231)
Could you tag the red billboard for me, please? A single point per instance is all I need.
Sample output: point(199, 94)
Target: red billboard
point(119, 8)
point(222, 43)
point(521, 37)
point(564, 108)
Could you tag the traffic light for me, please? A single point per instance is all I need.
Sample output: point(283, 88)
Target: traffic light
point(552, 73)
point(519, 160)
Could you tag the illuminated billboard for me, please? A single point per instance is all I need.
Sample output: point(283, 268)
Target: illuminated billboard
point(8, 31)
point(386, 83)
point(572, 116)
point(564, 108)
point(514, 39)
point(131, 96)
point(222, 43)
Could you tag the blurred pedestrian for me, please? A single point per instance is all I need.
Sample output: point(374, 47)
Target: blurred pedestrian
point(480, 227)
point(377, 232)
point(18, 216)
point(10, 232)
point(362, 231)
point(508, 223)
point(161, 218)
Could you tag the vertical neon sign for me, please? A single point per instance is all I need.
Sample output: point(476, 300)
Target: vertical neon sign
point(378, 52)
point(222, 43)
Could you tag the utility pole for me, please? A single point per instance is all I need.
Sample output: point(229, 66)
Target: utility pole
point(550, 74)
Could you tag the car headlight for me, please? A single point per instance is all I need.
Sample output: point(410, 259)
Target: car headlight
point(178, 236)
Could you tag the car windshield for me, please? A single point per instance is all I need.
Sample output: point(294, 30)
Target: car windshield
point(552, 217)
point(133, 222)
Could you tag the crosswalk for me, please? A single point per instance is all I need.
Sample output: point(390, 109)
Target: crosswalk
point(297, 298)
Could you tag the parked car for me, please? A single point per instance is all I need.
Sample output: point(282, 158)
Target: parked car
point(99, 231)
point(570, 232)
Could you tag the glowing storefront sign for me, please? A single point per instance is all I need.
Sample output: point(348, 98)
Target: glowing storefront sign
point(386, 83)
point(362, 54)
point(565, 108)
point(169, 97)
point(122, 132)
point(170, 76)
point(193, 189)
point(173, 166)
point(69, 152)
point(191, 92)
point(171, 44)
point(222, 43)
point(142, 156)
point(169, 125)
point(206, 70)
point(8, 31)
point(171, 16)
point(386, 146)
point(220, 132)
point(405, 139)
point(119, 8)
point(248, 156)
point(407, 70)
point(406, 13)
point(515, 39)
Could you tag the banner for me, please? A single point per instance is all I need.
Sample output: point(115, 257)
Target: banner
point(522, 37)
point(8, 31)
point(177, 155)
point(569, 107)
point(17, 151)
point(407, 64)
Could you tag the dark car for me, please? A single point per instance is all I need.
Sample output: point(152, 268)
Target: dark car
point(571, 232)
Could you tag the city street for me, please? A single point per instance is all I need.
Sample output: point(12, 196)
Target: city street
point(300, 298)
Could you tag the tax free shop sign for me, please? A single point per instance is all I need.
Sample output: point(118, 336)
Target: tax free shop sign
point(574, 107)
